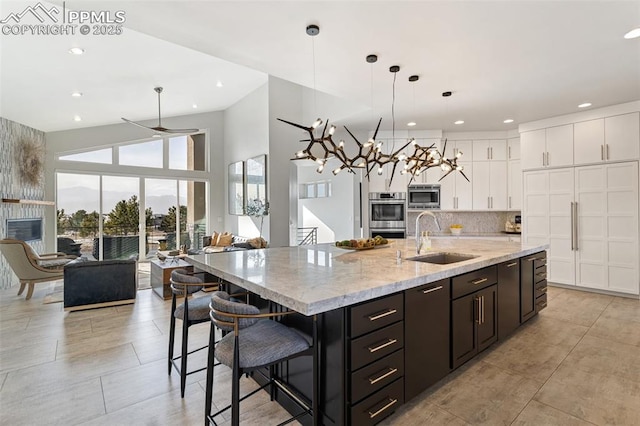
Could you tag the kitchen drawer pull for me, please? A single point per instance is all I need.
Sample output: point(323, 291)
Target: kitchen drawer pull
point(512, 264)
point(533, 259)
point(389, 404)
point(542, 305)
point(382, 346)
point(480, 281)
point(384, 376)
point(432, 289)
point(382, 315)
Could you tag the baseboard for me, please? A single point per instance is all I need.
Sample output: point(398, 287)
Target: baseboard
point(100, 305)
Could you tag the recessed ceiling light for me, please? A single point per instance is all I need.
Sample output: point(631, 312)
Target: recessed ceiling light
point(77, 118)
point(584, 105)
point(195, 106)
point(459, 122)
point(507, 121)
point(76, 94)
point(219, 84)
point(411, 123)
point(634, 33)
point(76, 51)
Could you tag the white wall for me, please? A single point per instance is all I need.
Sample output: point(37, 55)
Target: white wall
point(246, 135)
point(89, 137)
point(334, 216)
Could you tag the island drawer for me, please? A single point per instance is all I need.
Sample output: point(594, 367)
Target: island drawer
point(379, 405)
point(374, 346)
point(540, 274)
point(540, 260)
point(377, 375)
point(541, 288)
point(473, 281)
point(376, 314)
point(541, 302)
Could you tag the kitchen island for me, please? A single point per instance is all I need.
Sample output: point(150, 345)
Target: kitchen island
point(389, 327)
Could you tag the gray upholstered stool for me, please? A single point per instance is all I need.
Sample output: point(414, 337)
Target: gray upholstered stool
point(253, 341)
point(191, 312)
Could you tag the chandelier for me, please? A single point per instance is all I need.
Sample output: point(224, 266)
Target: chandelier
point(369, 155)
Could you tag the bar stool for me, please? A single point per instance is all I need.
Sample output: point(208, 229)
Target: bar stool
point(253, 341)
point(191, 313)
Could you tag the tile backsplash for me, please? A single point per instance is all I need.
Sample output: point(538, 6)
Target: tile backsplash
point(472, 222)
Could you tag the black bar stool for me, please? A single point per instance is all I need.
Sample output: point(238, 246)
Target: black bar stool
point(253, 341)
point(191, 312)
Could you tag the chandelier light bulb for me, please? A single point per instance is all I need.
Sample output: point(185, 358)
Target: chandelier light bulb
point(403, 172)
point(361, 164)
point(316, 123)
point(417, 173)
point(402, 157)
point(459, 154)
point(338, 170)
point(300, 154)
point(414, 142)
point(320, 161)
point(379, 171)
point(320, 168)
point(332, 129)
point(341, 145)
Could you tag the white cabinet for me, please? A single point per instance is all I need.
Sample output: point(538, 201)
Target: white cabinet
point(490, 185)
point(606, 227)
point(547, 198)
point(552, 147)
point(589, 217)
point(622, 137)
point(513, 149)
point(490, 150)
point(559, 146)
point(589, 146)
point(456, 192)
point(514, 185)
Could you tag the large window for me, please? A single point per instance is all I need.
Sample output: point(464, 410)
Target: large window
point(114, 214)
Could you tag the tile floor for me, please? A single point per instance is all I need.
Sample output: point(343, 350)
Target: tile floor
point(577, 363)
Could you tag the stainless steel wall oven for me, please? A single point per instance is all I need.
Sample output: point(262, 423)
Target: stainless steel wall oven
point(388, 214)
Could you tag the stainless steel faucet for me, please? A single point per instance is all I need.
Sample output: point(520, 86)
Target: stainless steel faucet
point(418, 236)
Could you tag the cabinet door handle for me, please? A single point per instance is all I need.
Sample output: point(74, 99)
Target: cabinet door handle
point(606, 151)
point(543, 159)
point(488, 155)
point(509, 151)
point(480, 281)
point(431, 290)
point(389, 404)
point(383, 376)
point(382, 315)
point(575, 221)
point(572, 223)
point(483, 309)
point(382, 346)
point(491, 151)
point(488, 202)
point(602, 152)
point(509, 201)
point(533, 259)
point(512, 264)
point(477, 299)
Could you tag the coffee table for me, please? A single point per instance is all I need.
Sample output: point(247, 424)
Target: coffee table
point(161, 274)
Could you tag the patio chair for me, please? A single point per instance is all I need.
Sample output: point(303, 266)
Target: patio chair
point(31, 268)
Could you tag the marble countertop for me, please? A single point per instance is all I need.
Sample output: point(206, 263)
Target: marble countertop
point(319, 278)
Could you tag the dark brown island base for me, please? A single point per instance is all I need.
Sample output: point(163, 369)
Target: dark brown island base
point(389, 327)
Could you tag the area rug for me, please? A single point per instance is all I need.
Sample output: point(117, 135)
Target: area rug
point(55, 295)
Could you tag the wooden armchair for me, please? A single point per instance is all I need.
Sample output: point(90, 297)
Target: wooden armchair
point(31, 268)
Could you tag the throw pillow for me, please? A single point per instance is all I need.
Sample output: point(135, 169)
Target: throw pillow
point(214, 239)
point(224, 240)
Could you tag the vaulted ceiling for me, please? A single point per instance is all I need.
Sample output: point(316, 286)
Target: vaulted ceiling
point(523, 60)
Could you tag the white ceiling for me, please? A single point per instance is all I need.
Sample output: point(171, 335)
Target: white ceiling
point(524, 60)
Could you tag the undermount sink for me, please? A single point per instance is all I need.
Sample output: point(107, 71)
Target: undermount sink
point(441, 258)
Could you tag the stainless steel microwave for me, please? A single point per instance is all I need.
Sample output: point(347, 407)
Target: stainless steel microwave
point(423, 196)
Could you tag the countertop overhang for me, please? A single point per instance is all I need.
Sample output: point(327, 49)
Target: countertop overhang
point(319, 278)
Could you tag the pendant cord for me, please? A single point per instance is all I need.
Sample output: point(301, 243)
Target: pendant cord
point(315, 96)
point(393, 113)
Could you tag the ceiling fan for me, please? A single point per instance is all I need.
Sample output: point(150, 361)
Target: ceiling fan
point(159, 128)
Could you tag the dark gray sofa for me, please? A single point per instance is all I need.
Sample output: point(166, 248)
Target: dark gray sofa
point(98, 284)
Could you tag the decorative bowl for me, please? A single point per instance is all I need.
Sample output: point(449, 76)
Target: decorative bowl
point(456, 231)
